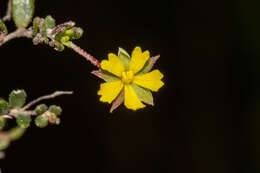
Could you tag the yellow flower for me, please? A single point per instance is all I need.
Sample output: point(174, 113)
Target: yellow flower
point(128, 79)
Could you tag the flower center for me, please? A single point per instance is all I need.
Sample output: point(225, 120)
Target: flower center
point(127, 76)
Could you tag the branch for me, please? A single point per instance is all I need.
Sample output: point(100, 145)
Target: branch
point(53, 95)
point(16, 112)
point(7, 17)
point(20, 32)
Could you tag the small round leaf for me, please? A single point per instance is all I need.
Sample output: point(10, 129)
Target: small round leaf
point(40, 109)
point(41, 121)
point(55, 109)
point(17, 98)
point(22, 12)
point(23, 120)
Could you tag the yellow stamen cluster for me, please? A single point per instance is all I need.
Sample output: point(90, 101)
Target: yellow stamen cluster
point(127, 76)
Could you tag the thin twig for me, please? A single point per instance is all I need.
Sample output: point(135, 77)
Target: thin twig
point(53, 95)
point(20, 32)
point(16, 112)
point(7, 17)
point(83, 53)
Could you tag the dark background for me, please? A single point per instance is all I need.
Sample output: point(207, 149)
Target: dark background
point(205, 118)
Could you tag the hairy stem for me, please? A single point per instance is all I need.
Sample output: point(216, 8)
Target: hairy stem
point(83, 53)
point(20, 32)
point(8, 15)
point(53, 95)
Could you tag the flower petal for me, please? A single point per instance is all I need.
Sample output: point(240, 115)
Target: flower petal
point(138, 59)
point(151, 80)
point(113, 65)
point(131, 99)
point(109, 91)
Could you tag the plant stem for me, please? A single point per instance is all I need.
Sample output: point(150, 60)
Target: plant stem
point(53, 95)
point(8, 12)
point(20, 32)
point(83, 53)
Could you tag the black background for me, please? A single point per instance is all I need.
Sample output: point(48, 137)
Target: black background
point(205, 118)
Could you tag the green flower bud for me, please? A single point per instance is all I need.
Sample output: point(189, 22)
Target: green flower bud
point(23, 120)
point(41, 121)
point(65, 40)
point(40, 109)
point(76, 33)
point(55, 109)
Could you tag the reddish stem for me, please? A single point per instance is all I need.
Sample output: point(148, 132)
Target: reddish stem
point(89, 57)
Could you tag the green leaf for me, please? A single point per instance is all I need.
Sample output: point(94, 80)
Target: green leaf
point(41, 121)
point(143, 94)
point(16, 133)
point(3, 29)
point(17, 98)
point(40, 109)
point(106, 76)
point(55, 109)
point(124, 57)
point(36, 25)
point(3, 107)
point(23, 120)
point(22, 12)
point(49, 22)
